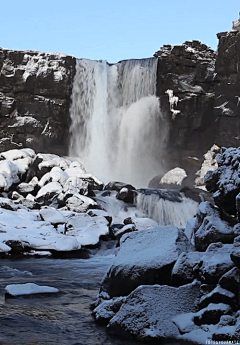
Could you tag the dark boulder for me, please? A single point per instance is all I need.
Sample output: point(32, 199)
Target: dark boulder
point(145, 257)
point(207, 267)
point(117, 186)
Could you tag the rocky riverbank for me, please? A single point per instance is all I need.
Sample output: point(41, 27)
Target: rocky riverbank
point(50, 203)
point(171, 283)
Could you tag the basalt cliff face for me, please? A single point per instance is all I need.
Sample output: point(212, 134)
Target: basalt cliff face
point(35, 92)
point(199, 91)
point(185, 87)
point(227, 89)
point(198, 88)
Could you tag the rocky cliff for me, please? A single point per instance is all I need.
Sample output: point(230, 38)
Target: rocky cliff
point(227, 89)
point(200, 97)
point(185, 87)
point(35, 91)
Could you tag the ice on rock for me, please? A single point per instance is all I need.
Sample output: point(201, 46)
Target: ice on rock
point(8, 272)
point(4, 248)
point(173, 101)
point(15, 290)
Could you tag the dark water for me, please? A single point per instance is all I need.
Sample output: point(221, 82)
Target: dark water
point(60, 319)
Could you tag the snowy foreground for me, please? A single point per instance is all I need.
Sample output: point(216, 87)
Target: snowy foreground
point(167, 283)
point(50, 203)
point(170, 280)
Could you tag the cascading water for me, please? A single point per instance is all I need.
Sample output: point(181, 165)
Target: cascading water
point(166, 206)
point(116, 122)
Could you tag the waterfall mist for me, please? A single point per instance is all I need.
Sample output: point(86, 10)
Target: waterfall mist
point(116, 127)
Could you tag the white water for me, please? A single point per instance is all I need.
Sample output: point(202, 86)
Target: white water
point(166, 207)
point(116, 120)
point(166, 212)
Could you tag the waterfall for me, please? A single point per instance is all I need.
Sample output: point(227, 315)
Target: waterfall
point(166, 206)
point(116, 121)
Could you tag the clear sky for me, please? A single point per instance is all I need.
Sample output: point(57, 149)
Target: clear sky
point(112, 30)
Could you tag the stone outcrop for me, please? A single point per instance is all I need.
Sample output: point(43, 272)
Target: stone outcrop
point(35, 92)
point(227, 94)
point(185, 86)
point(198, 90)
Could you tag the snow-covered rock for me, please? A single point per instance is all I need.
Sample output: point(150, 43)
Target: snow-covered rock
point(145, 257)
point(9, 174)
point(80, 203)
point(209, 164)
point(126, 194)
point(15, 290)
point(173, 178)
point(210, 228)
point(26, 188)
point(231, 280)
point(86, 229)
point(148, 311)
point(224, 182)
point(55, 175)
point(217, 295)
point(52, 216)
point(107, 309)
point(207, 266)
point(190, 324)
point(48, 191)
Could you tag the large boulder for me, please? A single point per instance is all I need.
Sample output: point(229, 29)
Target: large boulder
point(206, 266)
point(174, 178)
point(210, 228)
point(145, 257)
point(147, 312)
point(224, 182)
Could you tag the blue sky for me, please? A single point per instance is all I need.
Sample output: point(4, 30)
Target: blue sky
point(112, 30)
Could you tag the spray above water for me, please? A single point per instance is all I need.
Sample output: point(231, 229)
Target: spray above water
point(116, 121)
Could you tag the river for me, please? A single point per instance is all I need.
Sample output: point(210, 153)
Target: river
point(60, 319)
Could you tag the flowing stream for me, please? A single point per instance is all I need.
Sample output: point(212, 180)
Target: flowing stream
point(63, 319)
